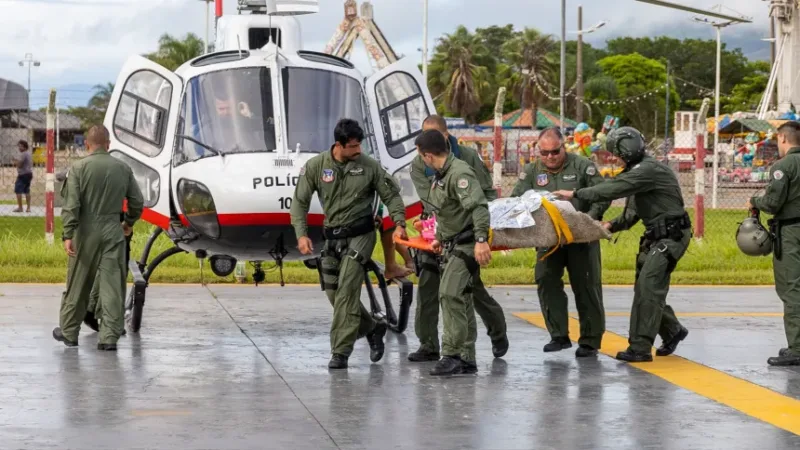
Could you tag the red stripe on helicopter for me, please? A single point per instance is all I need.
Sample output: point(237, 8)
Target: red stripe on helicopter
point(162, 221)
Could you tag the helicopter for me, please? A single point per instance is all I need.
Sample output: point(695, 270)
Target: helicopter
point(217, 146)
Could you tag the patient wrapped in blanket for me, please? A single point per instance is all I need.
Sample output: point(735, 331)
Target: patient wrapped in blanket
point(537, 219)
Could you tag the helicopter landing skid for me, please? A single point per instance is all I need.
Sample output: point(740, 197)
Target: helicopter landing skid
point(396, 321)
point(141, 272)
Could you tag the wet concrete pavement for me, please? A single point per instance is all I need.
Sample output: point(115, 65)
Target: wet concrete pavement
point(240, 367)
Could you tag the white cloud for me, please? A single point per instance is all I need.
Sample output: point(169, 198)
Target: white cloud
point(86, 41)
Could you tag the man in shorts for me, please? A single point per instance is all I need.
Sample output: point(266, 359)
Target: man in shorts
point(24, 176)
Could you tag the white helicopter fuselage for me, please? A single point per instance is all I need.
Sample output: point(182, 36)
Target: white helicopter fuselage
point(217, 146)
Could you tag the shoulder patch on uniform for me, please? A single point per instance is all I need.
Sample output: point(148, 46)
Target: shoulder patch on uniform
point(591, 170)
point(778, 174)
point(303, 170)
point(463, 183)
point(522, 175)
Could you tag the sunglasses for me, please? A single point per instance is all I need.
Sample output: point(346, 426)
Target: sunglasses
point(547, 153)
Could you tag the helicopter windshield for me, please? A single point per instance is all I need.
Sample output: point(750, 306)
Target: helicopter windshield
point(315, 100)
point(227, 112)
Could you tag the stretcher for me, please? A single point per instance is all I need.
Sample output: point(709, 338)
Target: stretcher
point(563, 233)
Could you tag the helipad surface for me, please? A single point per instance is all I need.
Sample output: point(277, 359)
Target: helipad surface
point(240, 367)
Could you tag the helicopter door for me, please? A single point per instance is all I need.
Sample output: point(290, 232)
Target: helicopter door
point(399, 102)
point(141, 119)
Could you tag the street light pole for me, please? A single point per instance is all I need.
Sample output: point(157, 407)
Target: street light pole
point(29, 60)
point(715, 154)
point(425, 41)
point(579, 69)
point(563, 59)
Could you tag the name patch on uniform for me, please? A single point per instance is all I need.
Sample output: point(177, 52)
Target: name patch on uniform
point(327, 175)
point(357, 171)
point(523, 175)
point(572, 177)
point(591, 171)
point(463, 183)
point(542, 180)
point(778, 174)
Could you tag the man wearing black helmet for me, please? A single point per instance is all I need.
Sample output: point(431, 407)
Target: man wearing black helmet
point(654, 196)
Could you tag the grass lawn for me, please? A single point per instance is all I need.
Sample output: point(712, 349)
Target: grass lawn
point(25, 257)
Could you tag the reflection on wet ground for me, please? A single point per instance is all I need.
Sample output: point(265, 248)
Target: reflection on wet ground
point(245, 367)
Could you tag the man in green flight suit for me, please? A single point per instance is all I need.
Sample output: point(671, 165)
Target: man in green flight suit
point(668, 230)
point(782, 200)
point(97, 187)
point(426, 320)
point(462, 233)
point(346, 182)
point(554, 170)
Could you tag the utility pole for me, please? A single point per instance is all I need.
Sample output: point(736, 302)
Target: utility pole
point(666, 113)
point(579, 88)
point(207, 33)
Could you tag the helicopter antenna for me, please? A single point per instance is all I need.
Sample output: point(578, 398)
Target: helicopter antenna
point(239, 45)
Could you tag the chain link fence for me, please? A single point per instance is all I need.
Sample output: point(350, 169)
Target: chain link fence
point(23, 173)
point(742, 168)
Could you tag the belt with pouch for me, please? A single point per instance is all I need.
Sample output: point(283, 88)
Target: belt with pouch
point(360, 227)
point(775, 226)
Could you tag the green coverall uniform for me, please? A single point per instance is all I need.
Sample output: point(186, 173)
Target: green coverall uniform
point(582, 261)
point(93, 311)
point(96, 187)
point(659, 204)
point(462, 217)
point(426, 320)
point(347, 193)
point(782, 200)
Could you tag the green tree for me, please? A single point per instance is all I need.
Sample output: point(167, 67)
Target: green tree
point(634, 76)
point(172, 52)
point(456, 73)
point(530, 68)
point(746, 95)
point(690, 59)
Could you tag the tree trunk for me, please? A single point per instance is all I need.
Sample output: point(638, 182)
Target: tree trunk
point(534, 113)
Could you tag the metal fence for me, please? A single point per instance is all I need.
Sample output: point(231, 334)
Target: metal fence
point(23, 198)
point(742, 170)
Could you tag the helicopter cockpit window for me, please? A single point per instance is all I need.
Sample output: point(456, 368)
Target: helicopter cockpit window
point(226, 112)
point(315, 100)
point(402, 109)
point(143, 111)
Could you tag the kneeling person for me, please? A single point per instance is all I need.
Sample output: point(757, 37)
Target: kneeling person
point(462, 231)
point(346, 182)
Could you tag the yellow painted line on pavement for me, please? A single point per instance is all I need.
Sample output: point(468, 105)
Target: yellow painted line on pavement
point(749, 398)
point(703, 314)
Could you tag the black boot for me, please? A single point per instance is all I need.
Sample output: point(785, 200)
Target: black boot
point(338, 362)
point(785, 357)
point(423, 355)
point(57, 335)
point(632, 356)
point(107, 347)
point(558, 344)
point(668, 348)
point(469, 367)
point(584, 351)
point(91, 321)
point(448, 365)
point(500, 347)
point(375, 339)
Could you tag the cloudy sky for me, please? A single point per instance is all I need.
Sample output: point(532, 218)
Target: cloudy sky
point(84, 42)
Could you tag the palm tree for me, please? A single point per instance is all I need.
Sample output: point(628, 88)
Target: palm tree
point(455, 72)
point(172, 53)
point(101, 97)
point(530, 65)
